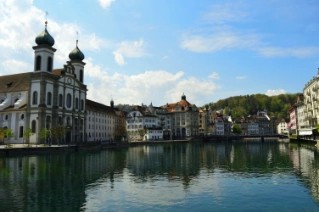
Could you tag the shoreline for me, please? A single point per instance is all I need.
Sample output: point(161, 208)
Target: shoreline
point(25, 149)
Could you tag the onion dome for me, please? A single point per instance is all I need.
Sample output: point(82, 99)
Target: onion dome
point(183, 97)
point(45, 37)
point(76, 53)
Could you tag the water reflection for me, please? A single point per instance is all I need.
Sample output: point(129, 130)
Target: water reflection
point(148, 176)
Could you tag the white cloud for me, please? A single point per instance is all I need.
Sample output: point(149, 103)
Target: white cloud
point(240, 77)
point(218, 41)
point(20, 22)
point(275, 92)
point(223, 13)
point(299, 52)
point(129, 49)
point(214, 76)
point(156, 86)
point(106, 3)
point(13, 66)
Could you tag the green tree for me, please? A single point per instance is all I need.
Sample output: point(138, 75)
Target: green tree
point(44, 134)
point(237, 129)
point(8, 134)
point(58, 133)
point(142, 133)
point(26, 135)
point(2, 135)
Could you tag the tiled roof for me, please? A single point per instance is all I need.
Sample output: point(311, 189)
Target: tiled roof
point(15, 82)
point(98, 106)
point(182, 103)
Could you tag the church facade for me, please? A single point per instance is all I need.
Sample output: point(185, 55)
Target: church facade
point(45, 105)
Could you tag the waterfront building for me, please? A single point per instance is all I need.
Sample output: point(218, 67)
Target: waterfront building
point(219, 126)
point(143, 125)
point(252, 128)
point(45, 99)
point(309, 111)
point(264, 123)
point(185, 118)
point(292, 127)
point(206, 120)
point(282, 128)
point(302, 119)
point(100, 122)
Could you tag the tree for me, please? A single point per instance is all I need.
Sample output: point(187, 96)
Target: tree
point(44, 134)
point(8, 133)
point(237, 129)
point(57, 133)
point(26, 135)
point(142, 133)
point(2, 134)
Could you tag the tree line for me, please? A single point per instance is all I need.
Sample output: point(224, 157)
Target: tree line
point(242, 106)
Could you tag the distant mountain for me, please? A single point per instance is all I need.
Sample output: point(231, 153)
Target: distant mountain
point(242, 106)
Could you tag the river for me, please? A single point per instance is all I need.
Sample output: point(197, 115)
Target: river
point(194, 176)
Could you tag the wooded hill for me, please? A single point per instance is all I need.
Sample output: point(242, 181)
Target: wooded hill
point(242, 106)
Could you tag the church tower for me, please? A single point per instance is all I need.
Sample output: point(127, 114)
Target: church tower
point(76, 59)
point(43, 51)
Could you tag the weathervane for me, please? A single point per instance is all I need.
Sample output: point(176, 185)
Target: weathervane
point(77, 38)
point(46, 18)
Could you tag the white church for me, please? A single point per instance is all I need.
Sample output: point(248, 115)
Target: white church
point(45, 100)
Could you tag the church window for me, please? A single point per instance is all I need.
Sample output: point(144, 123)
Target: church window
point(76, 103)
point(35, 97)
point(68, 100)
point(60, 100)
point(33, 126)
point(82, 104)
point(49, 98)
point(81, 75)
point(38, 63)
point(22, 116)
point(21, 132)
point(49, 68)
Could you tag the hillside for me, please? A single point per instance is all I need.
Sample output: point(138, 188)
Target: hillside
point(242, 106)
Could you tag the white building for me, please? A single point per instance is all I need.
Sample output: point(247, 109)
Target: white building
point(45, 98)
point(143, 125)
point(282, 128)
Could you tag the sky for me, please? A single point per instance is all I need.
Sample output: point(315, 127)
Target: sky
point(154, 51)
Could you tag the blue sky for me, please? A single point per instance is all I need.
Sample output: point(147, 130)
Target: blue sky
point(143, 51)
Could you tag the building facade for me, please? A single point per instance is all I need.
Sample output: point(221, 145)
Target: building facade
point(43, 100)
point(184, 118)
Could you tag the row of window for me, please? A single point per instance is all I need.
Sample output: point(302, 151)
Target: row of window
point(68, 100)
point(38, 62)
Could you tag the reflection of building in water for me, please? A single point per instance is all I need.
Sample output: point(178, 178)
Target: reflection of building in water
point(55, 182)
point(306, 162)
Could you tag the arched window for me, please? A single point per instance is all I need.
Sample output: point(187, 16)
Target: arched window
point(68, 100)
point(60, 100)
point(49, 98)
point(38, 63)
point(76, 103)
point(49, 68)
point(21, 132)
point(81, 75)
point(82, 104)
point(35, 97)
point(33, 126)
